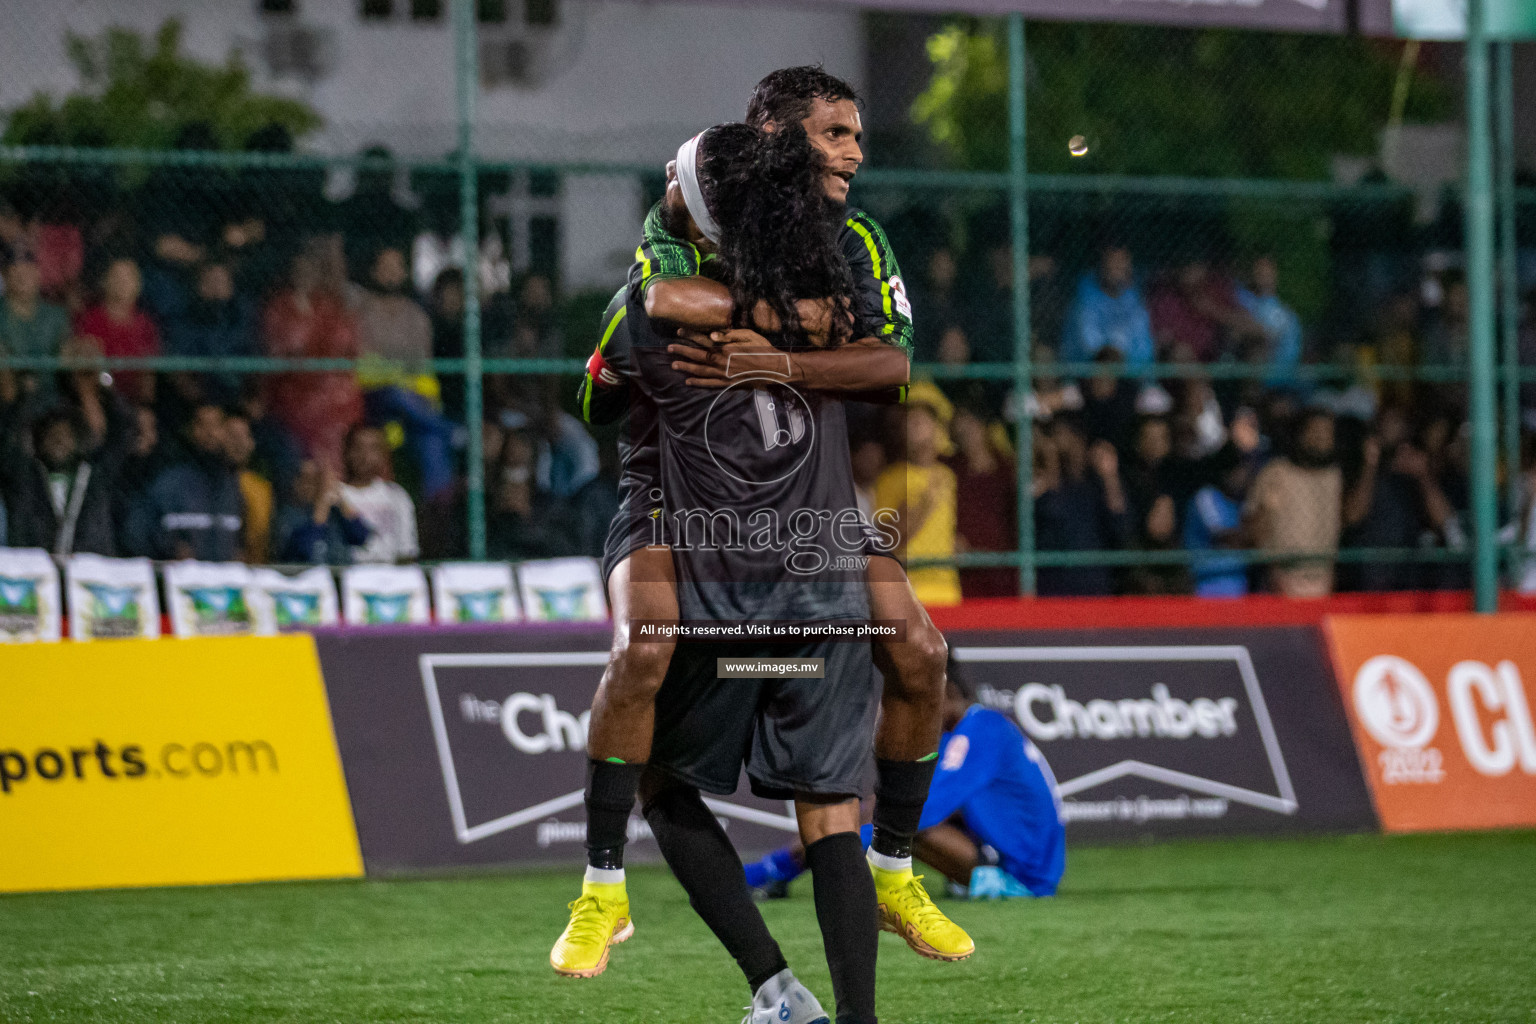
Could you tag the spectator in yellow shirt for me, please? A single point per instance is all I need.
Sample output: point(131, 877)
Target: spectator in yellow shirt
point(921, 491)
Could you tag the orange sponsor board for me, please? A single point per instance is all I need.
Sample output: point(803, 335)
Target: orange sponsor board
point(1440, 708)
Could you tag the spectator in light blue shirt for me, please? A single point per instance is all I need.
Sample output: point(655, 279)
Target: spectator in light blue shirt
point(1213, 522)
point(1282, 354)
point(1108, 312)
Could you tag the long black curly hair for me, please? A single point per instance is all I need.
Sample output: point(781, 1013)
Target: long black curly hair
point(778, 228)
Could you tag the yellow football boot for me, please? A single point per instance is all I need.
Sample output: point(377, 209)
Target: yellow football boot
point(599, 920)
point(907, 910)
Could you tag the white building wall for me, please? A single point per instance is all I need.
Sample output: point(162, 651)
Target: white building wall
point(616, 80)
point(621, 79)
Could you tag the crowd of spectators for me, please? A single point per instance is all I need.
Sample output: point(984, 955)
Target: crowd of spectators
point(1207, 482)
point(299, 466)
point(367, 464)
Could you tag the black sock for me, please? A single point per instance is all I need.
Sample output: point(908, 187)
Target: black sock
point(845, 909)
point(611, 789)
point(701, 856)
point(901, 788)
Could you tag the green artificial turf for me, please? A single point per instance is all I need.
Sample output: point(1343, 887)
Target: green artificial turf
point(1352, 929)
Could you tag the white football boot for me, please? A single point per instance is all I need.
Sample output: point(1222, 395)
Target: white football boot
point(783, 1000)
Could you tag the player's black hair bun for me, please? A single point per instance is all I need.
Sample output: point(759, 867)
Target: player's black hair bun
point(778, 228)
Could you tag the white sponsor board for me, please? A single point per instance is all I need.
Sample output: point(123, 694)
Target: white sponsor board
point(475, 592)
point(112, 598)
point(384, 595)
point(30, 598)
point(293, 603)
point(562, 590)
point(209, 599)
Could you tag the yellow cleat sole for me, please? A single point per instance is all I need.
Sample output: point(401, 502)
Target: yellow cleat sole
point(891, 923)
point(622, 930)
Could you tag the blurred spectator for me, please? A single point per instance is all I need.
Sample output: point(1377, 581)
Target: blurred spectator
point(1051, 394)
point(58, 491)
point(319, 527)
point(1295, 508)
point(255, 490)
point(868, 457)
point(1198, 309)
point(309, 319)
point(985, 516)
point(373, 217)
point(395, 339)
point(29, 325)
point(1446, 337)
point(130, 499)
point(937, 306)
point(566, 458)
point(521, 517)
point(447, 311)
point(1447, 340)
point(1199, 429)
point(195, 506)
point(1394, 346)
point(1148, 473)
point(1214, 522)
point(278, 454)
point(121, 329)
point(380, 502)
point(1214, 518)
point(1108, 313)
point(1109, 401)
point(1080, 505)
point(922, 492)
point(215, 323)
point(1279, 347)
point(1524, 528)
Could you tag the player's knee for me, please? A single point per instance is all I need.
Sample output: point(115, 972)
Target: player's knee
point(919, 663)
point(637, 670)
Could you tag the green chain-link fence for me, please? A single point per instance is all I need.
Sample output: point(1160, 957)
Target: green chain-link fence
point(1190, 293)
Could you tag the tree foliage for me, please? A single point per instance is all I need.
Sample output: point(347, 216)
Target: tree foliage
point(143, 93)
point(1156, 100)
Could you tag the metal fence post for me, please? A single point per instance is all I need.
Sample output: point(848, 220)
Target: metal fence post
point(1023, 371)
point(1509, 271)
point(468, 75)
point(1480, 277)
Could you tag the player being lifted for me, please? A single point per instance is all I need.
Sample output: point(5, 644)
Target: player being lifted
point(674, 277)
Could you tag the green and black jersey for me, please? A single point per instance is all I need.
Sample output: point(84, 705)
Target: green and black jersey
point(880, 298)
point(881, 309)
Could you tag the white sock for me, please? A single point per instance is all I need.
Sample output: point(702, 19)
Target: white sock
point(606, 876)
point(885, 863)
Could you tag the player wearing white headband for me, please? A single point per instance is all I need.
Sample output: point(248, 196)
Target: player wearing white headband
point(673, 274)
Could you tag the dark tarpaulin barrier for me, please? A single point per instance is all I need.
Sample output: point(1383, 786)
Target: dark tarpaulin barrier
point(1179, 732)
point(466, 747)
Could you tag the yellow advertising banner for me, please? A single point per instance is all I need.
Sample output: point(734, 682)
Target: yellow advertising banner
point(158, 762)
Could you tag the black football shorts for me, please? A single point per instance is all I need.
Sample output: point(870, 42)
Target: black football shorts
point(792, 735)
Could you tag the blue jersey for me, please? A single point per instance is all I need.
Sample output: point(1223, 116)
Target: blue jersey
point(1003, 790)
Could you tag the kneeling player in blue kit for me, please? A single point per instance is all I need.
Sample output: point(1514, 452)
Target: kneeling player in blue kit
point(992, 823)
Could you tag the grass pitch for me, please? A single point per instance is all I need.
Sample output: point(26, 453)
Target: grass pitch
point(1354, 929)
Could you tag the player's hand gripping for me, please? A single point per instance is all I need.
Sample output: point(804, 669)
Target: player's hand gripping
point(717, 359)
